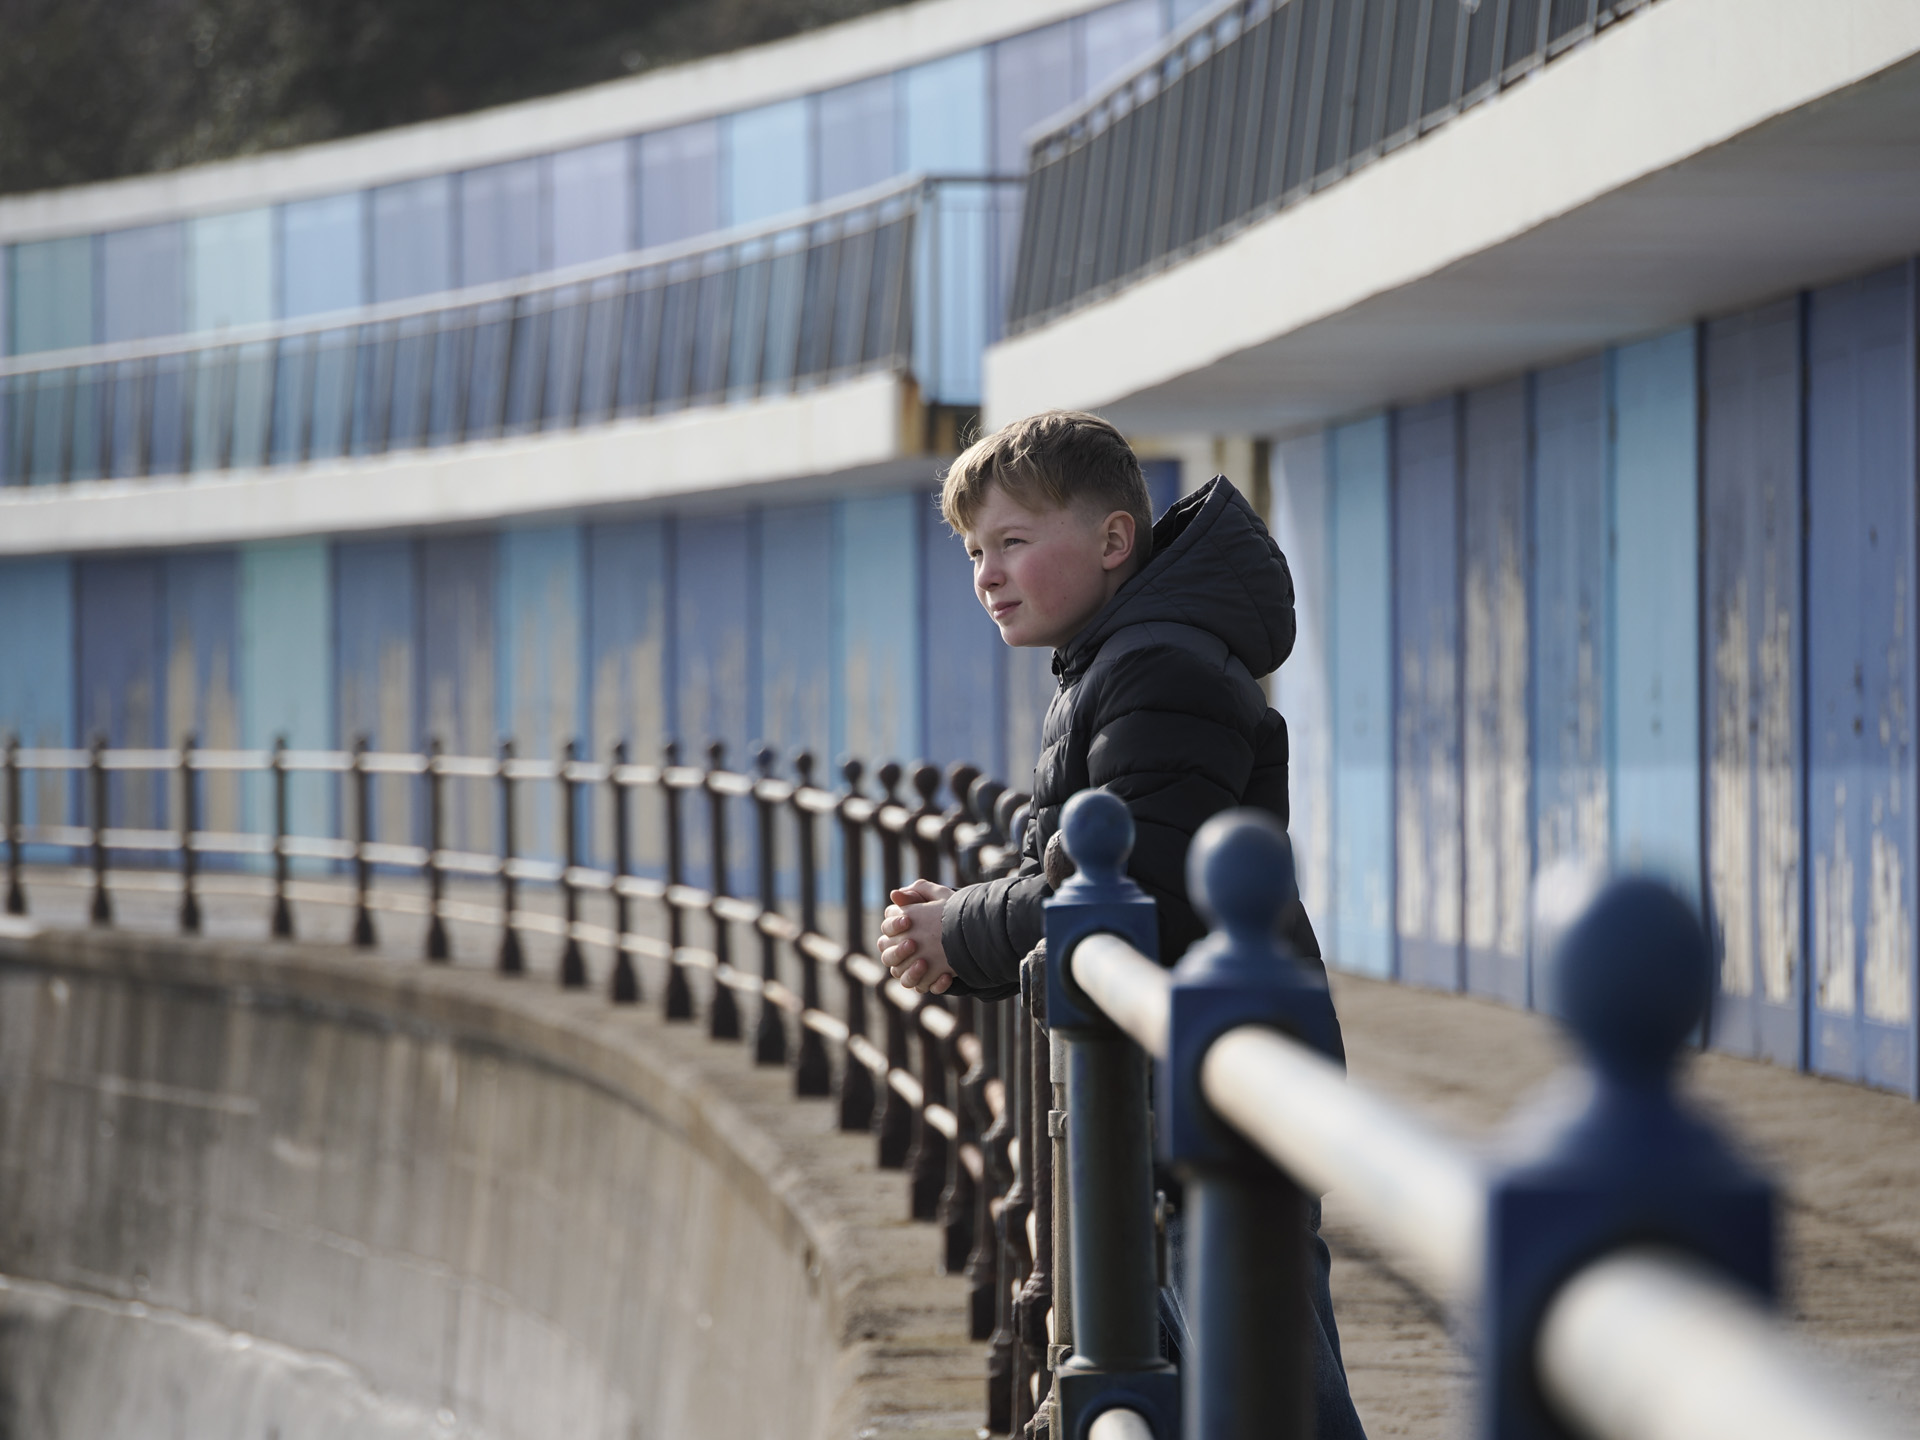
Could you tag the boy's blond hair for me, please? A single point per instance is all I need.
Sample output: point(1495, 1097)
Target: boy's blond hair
point(1058, 457)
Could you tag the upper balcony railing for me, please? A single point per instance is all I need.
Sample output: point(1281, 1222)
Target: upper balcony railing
point(1252, 108)
point(902, 278)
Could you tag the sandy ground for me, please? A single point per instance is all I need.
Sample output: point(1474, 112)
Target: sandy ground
point(1848, 1161)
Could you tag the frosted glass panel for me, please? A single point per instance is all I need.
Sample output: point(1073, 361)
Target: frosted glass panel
point(767, 162)
point(592, 209)
point(413, 238)
point(946, 114)
point(143, 282)
point(858, 136)
point(52, 289)
point(1033, 77)
point(323, 254)
point(1113, 38)
point(679, 182)
point(230, 270)
point(500, 222)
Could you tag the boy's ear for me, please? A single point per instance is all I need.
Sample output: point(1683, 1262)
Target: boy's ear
point(1117, 539)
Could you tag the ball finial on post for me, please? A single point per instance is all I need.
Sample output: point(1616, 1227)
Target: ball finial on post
point(1240, 873)
point(1099, 837)
point(1632, 978)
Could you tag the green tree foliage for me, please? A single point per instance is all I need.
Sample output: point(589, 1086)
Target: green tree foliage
point(93, 89)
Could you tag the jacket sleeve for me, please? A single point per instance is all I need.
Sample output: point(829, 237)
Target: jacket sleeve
point(987, 930)
point(1172, 735)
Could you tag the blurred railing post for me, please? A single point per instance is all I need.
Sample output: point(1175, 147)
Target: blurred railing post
point(513, 960)
point(770, 1027)
point(101, 911)
point(723, 1014)
point(897, 1124)
point(1115, 1281)
point(437, 948)
point(282, 908)
point(16, 892)
point(189, 825)
point(856, 1080)
point(928, 1159)
point(626, 980)
point(363, 935)
point(812, 1073)
point(1035, 1297)
point(573, 965)
point(678, 1000)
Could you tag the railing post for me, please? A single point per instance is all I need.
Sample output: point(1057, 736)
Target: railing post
point(927, 1159)
point(1035, 1298)
point(1010, 1155)
point(437, 948)
point(723, 1015)
point(1115, 1281)
point(626, 980)
point(987, 1265)
point(189, 824)
point(573, 965)
point(812, 1073)
point(101, 912)
point(1252, 1368)
point(856, 1080)
point(16, 892)
point(895, 1127)
point(282, 908)
point(363, 836)
point(513, 960)
point(770, 1028)
point(678, 1000)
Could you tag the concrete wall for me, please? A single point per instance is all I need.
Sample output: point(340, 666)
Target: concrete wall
point(251, 1192)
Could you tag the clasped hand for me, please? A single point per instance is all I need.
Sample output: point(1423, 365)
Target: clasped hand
point(910, 945)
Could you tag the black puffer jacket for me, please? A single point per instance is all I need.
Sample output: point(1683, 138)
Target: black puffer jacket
point(1159, 703)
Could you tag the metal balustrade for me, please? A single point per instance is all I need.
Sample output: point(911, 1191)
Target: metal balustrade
point(1251, 108)
point(903, 278)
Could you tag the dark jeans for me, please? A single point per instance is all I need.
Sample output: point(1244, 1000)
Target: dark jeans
point(1334, 1415)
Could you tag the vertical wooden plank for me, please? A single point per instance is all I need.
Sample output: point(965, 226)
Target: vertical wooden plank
point(1751, 509)
point(877, 590)
point(1496, 743)
point(203, 653)
point(715, 610)
point(457, 669)
point(1656, 645)
point(1860, 675)
point(1428, 875)
point(37, 652)
point(542, 635)
point(1027, 674)
point(376, 593)
point(796, 647)
point(1303, 687)
point(286, 671)
point(121, 634)
point(628, 645)
point(1362, 696)
point(963, 656)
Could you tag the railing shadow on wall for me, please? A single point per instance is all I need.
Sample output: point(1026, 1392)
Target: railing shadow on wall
point(1610, 1270)
point(907, 277)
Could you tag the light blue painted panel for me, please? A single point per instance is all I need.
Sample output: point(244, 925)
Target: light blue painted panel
point(542, 630)
point(1303, 686)
point(376, 607)
point(1571, 510)
point(679, 182)
point(286, 671)
point(944, 104)
point(715, 613)
point(53, 300)
point(1428, 875)
point(323, 254)
point(1030, 686)
point(412, 238)
point(37, 651)
point(963, 657)
point(120, 636)
point(796, 645)
point(143, 282)
point(766, 162)
point(1362, 675)
point(877, 625)
point(500, 223)
point(1034, 76)
point(591, 214)
point(1497, 748)
point(629, 644)
point(203, 663)
point(230, 270)
point(1656, 674)
point(458, 656)
point(857, 136)
point(1113, 37)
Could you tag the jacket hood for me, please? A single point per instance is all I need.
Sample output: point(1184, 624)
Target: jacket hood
point(1214, 567)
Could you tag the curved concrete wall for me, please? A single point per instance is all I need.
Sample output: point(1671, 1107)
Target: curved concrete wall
point(251, 1192)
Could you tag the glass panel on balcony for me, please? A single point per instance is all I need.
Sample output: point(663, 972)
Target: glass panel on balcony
point(766, 162)
point(857, 141)
point(591, 215)
point(500, 223)
point(413, 238)
point(323, 254)
point(679, 183)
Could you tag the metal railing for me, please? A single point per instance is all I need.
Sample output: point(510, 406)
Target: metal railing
point(1250, 109)
point(1611, 1268)
point(884, 281)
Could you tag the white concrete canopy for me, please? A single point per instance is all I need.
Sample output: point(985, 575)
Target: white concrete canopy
point(1702, 156)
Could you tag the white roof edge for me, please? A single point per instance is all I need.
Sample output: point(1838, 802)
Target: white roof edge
point(741, 79)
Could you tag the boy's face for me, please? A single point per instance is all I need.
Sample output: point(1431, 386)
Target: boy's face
point(1043, 574)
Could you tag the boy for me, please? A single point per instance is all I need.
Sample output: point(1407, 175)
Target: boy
point(1160, 634)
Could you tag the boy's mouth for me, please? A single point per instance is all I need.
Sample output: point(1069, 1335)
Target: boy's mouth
point(1003, 608)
